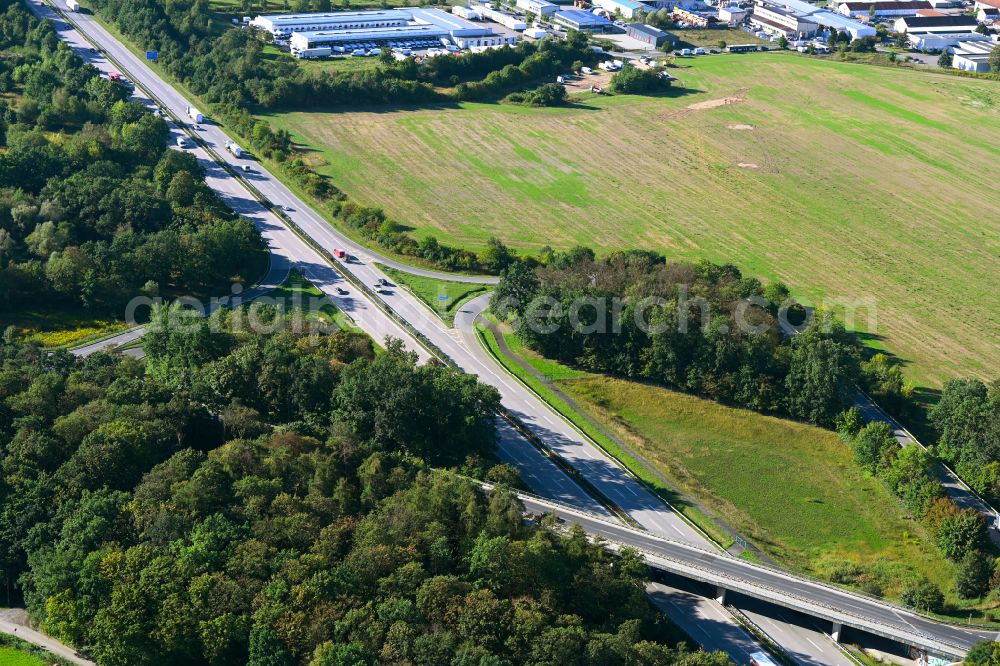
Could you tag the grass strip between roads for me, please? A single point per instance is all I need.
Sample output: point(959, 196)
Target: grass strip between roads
point(441, 296)
point(701, 521)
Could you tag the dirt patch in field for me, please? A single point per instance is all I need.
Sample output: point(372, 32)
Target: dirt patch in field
point(740, 96)
point(747, 165)
point(583, 82)
point(741, 127)
point(712, 103)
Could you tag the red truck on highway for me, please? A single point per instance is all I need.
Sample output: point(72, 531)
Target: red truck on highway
point(340, 254)
point(114, 76)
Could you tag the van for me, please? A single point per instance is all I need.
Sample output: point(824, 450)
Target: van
point(685, 52)
point(700, 51)
point(181, 142)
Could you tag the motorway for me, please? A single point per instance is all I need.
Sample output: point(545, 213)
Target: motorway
point(792, 591)
point(459, 344)
point(954, 487)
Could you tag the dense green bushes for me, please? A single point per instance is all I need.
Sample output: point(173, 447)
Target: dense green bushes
point(266, 500)
point(634, 81)
point(702, 328)
point(908, 472)
point(547, 94)
point(94, 209)
point(967, 417)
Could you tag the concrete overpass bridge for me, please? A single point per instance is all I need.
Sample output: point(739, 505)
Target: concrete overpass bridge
point(840, 607)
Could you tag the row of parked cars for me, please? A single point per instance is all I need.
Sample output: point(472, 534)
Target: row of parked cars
point(371, 48)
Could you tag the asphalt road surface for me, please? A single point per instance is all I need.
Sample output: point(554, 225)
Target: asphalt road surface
point(458, 344)
point(762, 581)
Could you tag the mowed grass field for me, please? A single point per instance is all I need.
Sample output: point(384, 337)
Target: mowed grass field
point(791, 488)
point(13, 657)
point(845, 181)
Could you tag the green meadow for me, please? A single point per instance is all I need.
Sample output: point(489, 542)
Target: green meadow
point(851, 183)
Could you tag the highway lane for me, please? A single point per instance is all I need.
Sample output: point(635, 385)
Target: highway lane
point(954, 487)
point(539, 471)
point(288, 249)
point(803, 642)
point(608, 477)
point(822, 599)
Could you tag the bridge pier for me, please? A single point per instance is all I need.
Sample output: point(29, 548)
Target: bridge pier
point(720, 594)
point(835, 634)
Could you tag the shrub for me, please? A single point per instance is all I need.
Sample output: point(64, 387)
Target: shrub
point(924, 596)
point(634, 81)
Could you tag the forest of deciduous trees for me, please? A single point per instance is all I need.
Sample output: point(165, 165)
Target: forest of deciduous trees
point(270, 500)
point(702, 328)
point(94, 209)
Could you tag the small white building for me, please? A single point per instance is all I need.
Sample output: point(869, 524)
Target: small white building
point(972, 56)
point(939, 41)
point(626, 8)
point(537, 7)
point(732, 14)
point(988, 15)
point(468, 13)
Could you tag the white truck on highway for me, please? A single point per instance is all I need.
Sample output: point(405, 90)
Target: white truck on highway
point(195, 114)
point(234, 149)
point(72, 5)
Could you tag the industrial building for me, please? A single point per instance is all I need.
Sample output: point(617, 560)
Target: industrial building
point(626, 8)
point(497, 16)
point(732, 14)
point(311, 34)
point(889, 9)
point(939, 41)
point(537, 7)
point(650, 35)
point(988, 15)
point(282, 26)
point(577, 19)
point(932, 24)
point(807, 14)
point(827, 19)
point(973, 56)
point(779, 21)
point(691, 17)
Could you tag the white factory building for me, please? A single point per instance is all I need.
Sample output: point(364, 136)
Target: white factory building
point(939, 41)
point(931, 24)
point(307, 32)
point(973, 56)
point(796, 18)
point(625, 8)
point(537, 7)
point(883, 9)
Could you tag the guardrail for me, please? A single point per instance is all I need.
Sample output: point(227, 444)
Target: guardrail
point(705, 535)
point(807, 604)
